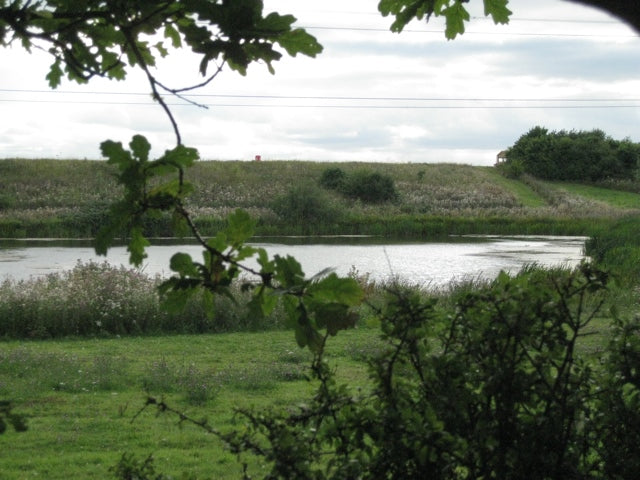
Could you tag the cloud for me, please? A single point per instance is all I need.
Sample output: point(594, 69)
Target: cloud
point(371, 96)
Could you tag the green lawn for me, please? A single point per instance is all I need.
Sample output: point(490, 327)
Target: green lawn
point(81, 397)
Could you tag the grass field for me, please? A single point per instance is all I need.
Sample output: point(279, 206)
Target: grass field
point(81, 397)
point(616, 198)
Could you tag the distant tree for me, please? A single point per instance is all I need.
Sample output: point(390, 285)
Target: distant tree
point(574, 155)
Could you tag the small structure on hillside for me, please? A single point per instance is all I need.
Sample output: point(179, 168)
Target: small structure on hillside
point(501, 157)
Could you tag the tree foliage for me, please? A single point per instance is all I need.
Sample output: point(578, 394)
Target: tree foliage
point(573, 155)
point(456, 14)
point(453, 11)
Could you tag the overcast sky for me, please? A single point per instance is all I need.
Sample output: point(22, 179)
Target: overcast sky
point(370, 96)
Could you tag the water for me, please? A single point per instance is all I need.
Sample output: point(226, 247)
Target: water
point(424, 263)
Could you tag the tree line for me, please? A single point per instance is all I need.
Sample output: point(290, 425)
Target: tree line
point(572, 156)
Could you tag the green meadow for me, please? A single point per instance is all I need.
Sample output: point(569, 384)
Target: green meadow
point(82, 397)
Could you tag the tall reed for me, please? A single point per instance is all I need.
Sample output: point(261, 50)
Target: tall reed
point(97, 299)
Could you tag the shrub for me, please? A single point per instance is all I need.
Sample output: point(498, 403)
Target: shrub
point(371, 187)
point(100, 299)
point(617, 248)
point(513, 169)
point(305, 204)
point(333, 178)
point(619, 404)
point(494, 387)
point(6, 201)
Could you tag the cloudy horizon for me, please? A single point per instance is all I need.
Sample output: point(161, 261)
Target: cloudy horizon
point(370, 96)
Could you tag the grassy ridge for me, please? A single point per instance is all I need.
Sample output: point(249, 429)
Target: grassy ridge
point(44, 198)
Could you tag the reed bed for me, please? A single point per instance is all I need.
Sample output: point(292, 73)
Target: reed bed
point(97, 299)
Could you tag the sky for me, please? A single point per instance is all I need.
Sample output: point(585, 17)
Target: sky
point(371, 96)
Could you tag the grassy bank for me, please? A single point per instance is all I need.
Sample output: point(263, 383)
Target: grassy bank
point(52, 198)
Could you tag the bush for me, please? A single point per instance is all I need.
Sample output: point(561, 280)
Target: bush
point(6, 201)
point(371, 187)
point(617, 248)
point(619, 404)
point(333, 178)
point(305, 204)
point(513, 169)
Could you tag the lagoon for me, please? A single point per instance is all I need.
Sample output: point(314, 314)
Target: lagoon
point(421, 263)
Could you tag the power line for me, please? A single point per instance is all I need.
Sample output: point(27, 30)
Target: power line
point(514, 18)
point(336, 106)
point(328, 97)
point(489, 33)
point(554, 20)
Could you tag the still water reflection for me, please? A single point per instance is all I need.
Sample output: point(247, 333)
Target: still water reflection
point(433, 263)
